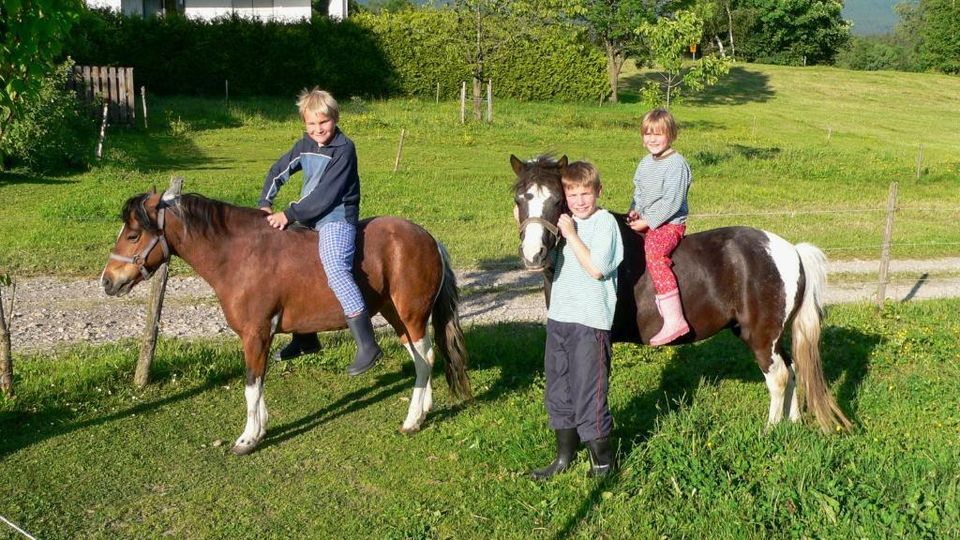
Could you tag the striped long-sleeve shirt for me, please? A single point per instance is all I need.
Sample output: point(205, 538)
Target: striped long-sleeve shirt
point(575, 296)
point(660, 189)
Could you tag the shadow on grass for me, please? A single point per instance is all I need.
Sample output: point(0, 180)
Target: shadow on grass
point(845, 356)
point(18, 178)
point(386, 386)
point(57, 421)
point(739, 87)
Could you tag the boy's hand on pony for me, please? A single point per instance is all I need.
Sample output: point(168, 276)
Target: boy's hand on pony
point(278, 220)
point(566, 225)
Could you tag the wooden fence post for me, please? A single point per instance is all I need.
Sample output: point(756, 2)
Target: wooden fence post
point(6, 351)
point(463, 101)
point(143, 100)
point(149, 343)
point(396, 163)
point(103, 130)
point(919, 162)
point(489, 101)
point(438, 92)
point(885, 249)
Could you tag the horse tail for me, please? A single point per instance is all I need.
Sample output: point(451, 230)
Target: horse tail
point(806, 342)
point(447, 331)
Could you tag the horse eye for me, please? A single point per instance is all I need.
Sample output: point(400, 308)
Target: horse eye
point(133, 237)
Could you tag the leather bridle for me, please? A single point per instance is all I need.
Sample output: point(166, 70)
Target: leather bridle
point(140, 259)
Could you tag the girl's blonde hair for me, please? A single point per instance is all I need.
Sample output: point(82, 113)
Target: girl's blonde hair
point(581, 174)
point(659, 121)
point(318, 101)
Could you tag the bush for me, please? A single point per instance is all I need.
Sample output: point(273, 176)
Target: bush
point(874, 53)
point(52, 133)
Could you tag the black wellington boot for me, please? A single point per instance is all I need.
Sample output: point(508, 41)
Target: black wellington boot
point(601, 458)
point(567, 443)
point(368, 352)
point(300, 345)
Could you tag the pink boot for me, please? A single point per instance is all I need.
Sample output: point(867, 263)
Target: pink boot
point(674, 325)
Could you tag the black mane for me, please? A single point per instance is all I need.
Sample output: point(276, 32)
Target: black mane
point(541, 171)
point(201, 214)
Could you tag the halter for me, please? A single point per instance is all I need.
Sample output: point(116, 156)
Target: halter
point(141, 258)
point(550, 227)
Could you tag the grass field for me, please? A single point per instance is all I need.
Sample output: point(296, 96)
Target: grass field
point(758, 143)
point(86, 456)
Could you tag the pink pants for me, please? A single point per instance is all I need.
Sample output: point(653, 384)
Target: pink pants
point(658, 244)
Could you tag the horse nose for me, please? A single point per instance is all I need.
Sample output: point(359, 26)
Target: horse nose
point(108, 286)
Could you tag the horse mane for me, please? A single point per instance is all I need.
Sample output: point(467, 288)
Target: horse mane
point(206, 216)
point(541, 170)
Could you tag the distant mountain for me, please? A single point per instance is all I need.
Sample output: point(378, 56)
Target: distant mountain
point(871, 16)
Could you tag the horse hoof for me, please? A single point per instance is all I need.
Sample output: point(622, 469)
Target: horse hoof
point(409, 430)
point(242, 449)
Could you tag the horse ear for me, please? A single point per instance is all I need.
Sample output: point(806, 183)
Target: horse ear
point(516, 164)
point(153, 190)
point(562, 163)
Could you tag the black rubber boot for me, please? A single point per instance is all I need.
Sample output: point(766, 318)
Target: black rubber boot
point(601, 458)
point(567, 443)
point(300, 345)
point(368, 352)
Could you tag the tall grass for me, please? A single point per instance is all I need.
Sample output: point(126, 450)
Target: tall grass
point(803, 147)
point(86, 455)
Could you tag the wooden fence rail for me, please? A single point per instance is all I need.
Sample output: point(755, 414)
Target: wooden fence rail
point(113, 84)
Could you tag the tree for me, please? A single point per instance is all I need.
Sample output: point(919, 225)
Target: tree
point(31, 34)
point(667, 39)
point(481, 36)
point(790, 31)
point(613, 26)
point(931, 28)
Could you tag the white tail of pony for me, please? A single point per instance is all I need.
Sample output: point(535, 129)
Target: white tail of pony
point(806, 342)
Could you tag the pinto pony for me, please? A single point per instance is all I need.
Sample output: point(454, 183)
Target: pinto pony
point(753, 282)
point(270, 281)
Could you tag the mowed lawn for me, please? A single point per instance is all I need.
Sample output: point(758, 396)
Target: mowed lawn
point(806, 153)
point(86, 456)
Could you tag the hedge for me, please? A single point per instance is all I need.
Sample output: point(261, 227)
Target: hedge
point(388, 54)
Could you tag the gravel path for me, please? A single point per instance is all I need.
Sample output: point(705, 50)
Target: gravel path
point(50, 312)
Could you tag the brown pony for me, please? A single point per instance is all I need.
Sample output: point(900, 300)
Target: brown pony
point(753, 282)
point(270, 281)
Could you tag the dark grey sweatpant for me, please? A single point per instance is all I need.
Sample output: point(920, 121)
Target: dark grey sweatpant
point(577, 366)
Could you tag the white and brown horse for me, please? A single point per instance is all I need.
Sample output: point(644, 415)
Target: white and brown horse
point(751, 281)
point(270, 281)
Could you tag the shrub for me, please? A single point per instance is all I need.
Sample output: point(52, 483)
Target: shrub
point(53, 132)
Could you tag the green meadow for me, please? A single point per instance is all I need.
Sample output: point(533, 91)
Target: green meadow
point(808, 153)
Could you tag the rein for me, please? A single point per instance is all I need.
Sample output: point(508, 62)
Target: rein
point(140, 259)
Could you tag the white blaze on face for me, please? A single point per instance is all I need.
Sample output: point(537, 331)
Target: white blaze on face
point(533, 232)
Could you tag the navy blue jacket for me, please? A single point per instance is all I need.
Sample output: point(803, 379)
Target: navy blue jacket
point(331, 183)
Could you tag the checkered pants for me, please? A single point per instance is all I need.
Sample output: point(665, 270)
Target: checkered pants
point(658, 244)
point(337, 246)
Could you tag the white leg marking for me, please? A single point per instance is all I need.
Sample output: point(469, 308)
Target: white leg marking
point(533, 233)
point(778, 379)
point(792, 399)
point(419, 351)
point(256, 417)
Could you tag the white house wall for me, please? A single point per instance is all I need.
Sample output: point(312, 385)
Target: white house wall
point(279, 10)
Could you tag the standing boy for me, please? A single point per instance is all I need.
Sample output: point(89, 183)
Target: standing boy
point(330, 203)
point(582, 303)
